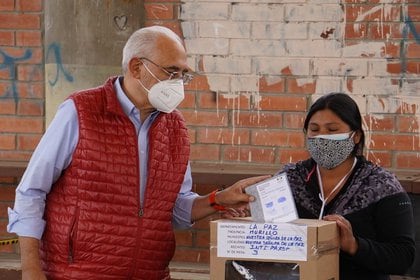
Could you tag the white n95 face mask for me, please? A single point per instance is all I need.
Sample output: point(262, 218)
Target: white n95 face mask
point(166, 95)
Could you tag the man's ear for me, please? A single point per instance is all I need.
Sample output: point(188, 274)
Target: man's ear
point(134, 67)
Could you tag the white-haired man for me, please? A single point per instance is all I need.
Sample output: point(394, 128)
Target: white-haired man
point(111, 177)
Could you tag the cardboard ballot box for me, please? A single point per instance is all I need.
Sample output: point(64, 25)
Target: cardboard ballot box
point(303, 249)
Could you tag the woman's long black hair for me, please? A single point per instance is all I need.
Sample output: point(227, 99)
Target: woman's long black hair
point(346, 109)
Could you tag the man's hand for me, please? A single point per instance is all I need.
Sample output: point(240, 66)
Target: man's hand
point(31, 264)
point(231, 213)
point(235, 196)
point(33, 274)
point(232, 197)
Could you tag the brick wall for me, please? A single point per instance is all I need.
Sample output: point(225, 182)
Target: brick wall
point(21, 92)
point(259, 66)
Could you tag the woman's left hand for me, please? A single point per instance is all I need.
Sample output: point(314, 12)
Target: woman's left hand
point(348, 242)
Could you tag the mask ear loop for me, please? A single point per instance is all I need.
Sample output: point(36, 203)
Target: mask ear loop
point(148, 70)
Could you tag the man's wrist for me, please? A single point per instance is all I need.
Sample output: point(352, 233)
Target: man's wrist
point(213, 203)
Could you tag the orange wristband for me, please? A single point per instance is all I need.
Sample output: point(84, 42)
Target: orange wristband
point(212, 200)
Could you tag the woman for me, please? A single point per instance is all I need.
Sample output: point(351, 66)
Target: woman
point(373, 212)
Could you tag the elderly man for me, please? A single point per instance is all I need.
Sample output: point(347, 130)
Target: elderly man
point(111, 177)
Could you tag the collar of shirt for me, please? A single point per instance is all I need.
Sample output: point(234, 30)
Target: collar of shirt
point(128, 107)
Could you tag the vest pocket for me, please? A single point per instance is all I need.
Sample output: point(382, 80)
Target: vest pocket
point(73, 236)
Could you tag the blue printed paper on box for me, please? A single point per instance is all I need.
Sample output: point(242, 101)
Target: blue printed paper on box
point(273, 200)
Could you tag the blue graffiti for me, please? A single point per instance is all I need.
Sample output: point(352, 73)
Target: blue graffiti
point(9, 63)
point(56, 50)
point(408, 27)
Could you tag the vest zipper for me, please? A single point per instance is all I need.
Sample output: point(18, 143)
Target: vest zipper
point(141, 211)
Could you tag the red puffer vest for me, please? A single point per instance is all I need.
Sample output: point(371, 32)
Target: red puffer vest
point(95, 225)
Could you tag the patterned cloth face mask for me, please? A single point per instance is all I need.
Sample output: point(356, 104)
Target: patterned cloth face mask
point(331, 150)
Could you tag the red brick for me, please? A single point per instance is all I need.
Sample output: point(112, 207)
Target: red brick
point(266, 86)
point(204, 189)
point(7, 193)
point(159, 11)
point(382, 158)
point(356, 30)
point(408, 124)
point(356, 12)
point(36, 57)
point(28, 38)
point(413, 50)
point(202, 239)
point(220, 101)
point(205, 152)
point(407, 108)
point(412, 67)
point(290, 156)
point(393, 68)
point(257, 119)
point(198, 83)
point(7, 142)
point(385, 31)
point(7, 5)
point(20, 21)
point(7, 38)
point(394, 142)
point(30, 73)
point(205, 118)
point(223, 136)
point(379, 123)
point(13, 124)
point(183, 238)
point(15, 155)
point(189, 100)
point(29, 5)
point(28, 141)
point(7, 180)
point(249, 154)
point(28, 107)
point(409, 160)
point(3, 208)
point(191, 255)
point(412, 34)
point(30, 89)
point(293, 87)
point(192, 135)
point(283, 103)
point(390, 50)
point(278, 138)
point(414, 11)
point(23, 55)
point(294, 120)
point(5, 74)
point(7, 106)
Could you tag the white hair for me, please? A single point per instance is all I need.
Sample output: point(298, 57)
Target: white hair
point(142, 43)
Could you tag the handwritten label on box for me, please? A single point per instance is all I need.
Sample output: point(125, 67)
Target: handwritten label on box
point(278, 241)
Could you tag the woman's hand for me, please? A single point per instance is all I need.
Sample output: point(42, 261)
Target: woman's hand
point(348, 242)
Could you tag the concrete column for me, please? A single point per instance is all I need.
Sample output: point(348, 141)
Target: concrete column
point(83, 42)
